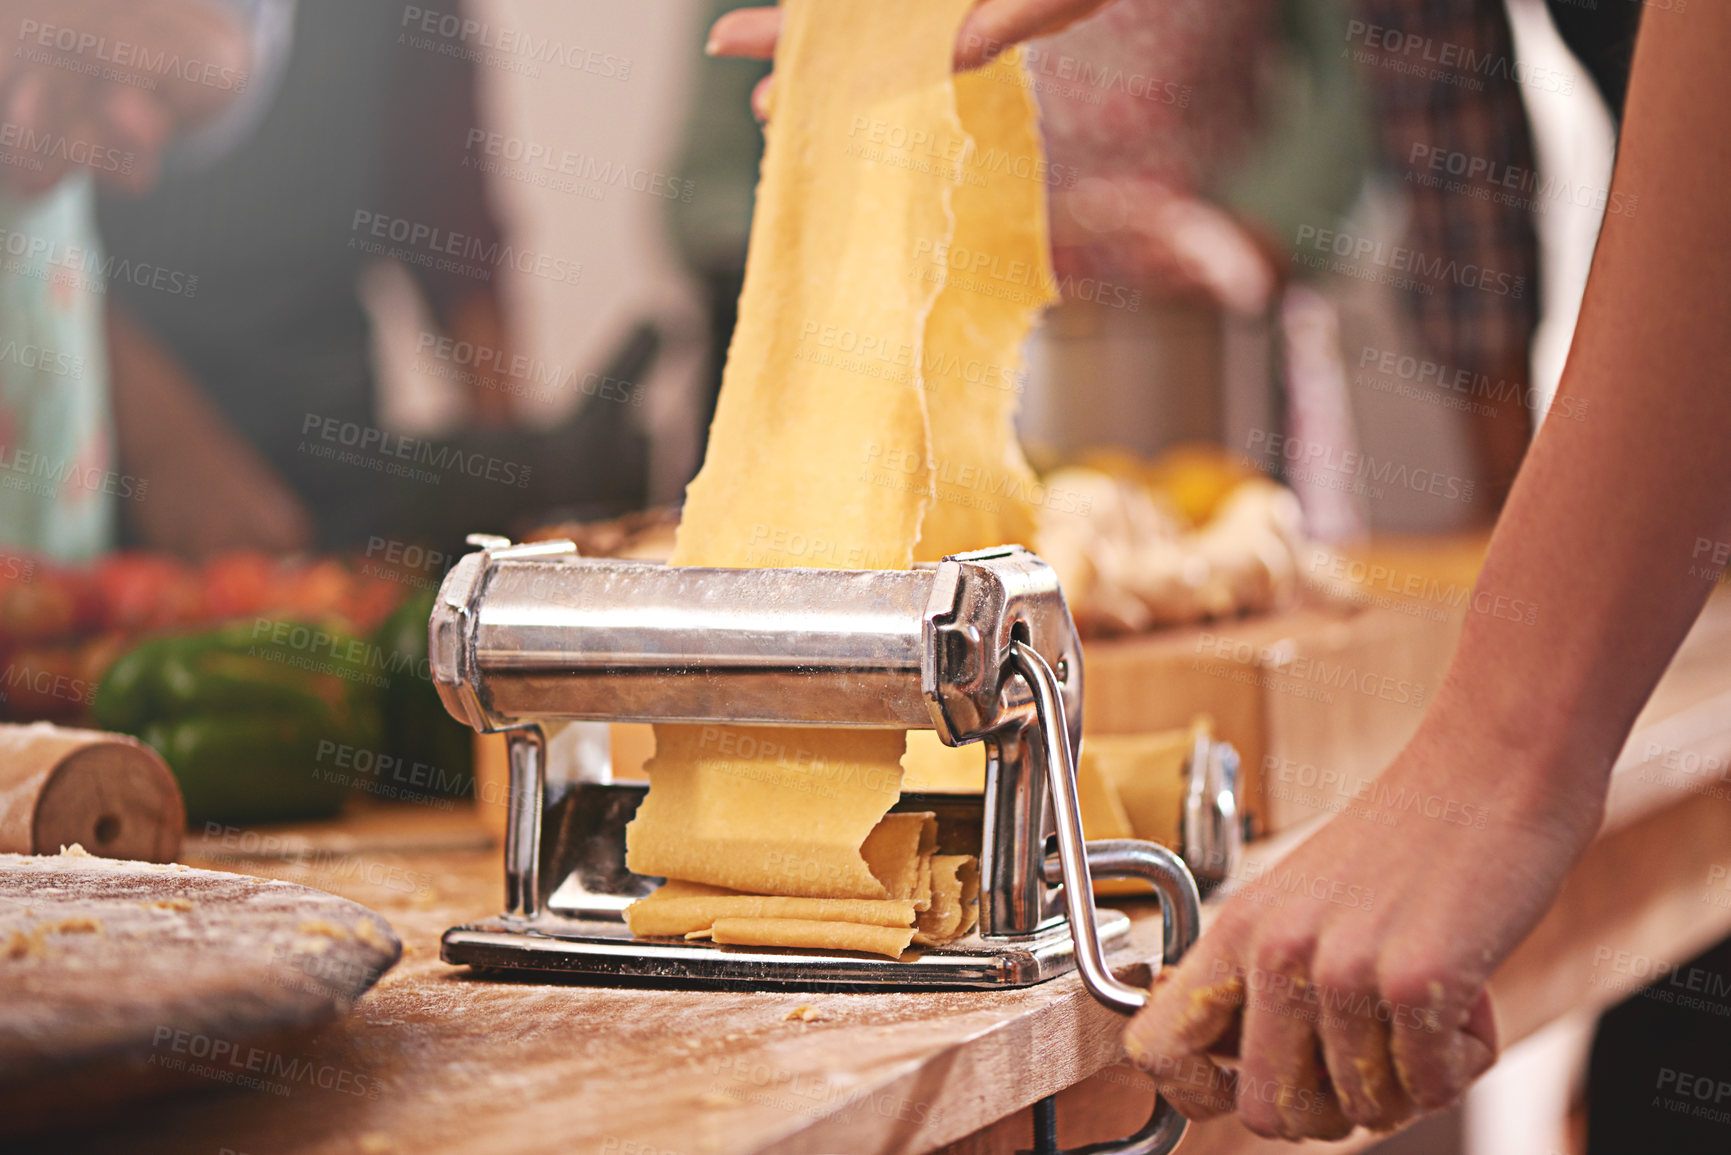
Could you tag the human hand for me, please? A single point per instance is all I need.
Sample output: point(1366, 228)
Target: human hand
point(1347, 983)
point(989, 28)
point(1145, 232)
point(104, 84)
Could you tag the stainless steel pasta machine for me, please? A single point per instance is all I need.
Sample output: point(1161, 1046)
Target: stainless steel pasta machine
point(979, 647)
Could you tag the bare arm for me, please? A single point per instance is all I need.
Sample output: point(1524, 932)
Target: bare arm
point(209, 489)
point(1602, 527)
point(1601, 532)
point(1354, 991)
point(64, 94)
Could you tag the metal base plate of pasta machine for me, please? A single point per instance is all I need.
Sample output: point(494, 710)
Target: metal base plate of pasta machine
point(580, 930)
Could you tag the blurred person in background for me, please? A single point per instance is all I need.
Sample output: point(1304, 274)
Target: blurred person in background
point(1598, 529)
point(89, 90)
point(1254, 133)
point(259, 363)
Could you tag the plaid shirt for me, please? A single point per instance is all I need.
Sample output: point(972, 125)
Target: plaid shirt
point(1449, 117)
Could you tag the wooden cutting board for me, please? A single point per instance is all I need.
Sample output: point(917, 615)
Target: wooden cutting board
point(121, 979)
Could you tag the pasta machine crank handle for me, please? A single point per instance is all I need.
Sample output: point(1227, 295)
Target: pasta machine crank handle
point(1074, 866)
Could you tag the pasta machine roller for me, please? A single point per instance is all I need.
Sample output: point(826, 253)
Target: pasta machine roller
point(979, 647)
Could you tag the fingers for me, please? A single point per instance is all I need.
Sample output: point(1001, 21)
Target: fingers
point(760, 97)
point(745, 32)
point(28, 104)
point(1194, 1010)
point(1353, 1022)
point(1280, 1084)
point(1324, 1037)
point(1198, 1088)
point(1482, 1022)
point(987, 31)
point(139, 125)
point(995, 25)
point(1442, 1038)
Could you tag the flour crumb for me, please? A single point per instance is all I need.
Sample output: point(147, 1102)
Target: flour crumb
point(22, 945)
point(367, 932)
point(80, 925)
point(325, 927)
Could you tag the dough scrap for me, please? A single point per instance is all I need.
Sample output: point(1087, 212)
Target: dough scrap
point(1134, 786)
point(955, 900)
point(1145, 775)
point(895, 850)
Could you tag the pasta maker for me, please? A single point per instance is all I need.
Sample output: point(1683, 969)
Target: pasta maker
point(978, 647)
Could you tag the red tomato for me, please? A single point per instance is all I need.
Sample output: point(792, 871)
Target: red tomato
point(317, 590)
point(142, 591)
point(239, 584)
point(37, 602)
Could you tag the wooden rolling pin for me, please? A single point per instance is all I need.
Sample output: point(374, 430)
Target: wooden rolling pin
point(110, 793)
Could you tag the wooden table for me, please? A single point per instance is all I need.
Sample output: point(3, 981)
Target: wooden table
point(447, 1063)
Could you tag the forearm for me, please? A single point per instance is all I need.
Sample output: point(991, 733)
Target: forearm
point(1601, 534)
point(209, 489)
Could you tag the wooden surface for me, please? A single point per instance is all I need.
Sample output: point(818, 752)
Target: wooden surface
point(1336, 686)
point(469, 1066)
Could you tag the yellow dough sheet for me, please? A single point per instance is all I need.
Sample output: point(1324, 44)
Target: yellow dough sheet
point(780, 485)
point(930, 767)
point(786, 824)
point(996, 274)
point(1134, 786)
point(806, 935)
point(897, 257)
point(675, 915)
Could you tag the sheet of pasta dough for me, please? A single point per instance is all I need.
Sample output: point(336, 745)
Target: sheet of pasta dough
point(821, 375)
point(806, 935)
point(821, 453)
point(680, 908)
point(996, 274)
